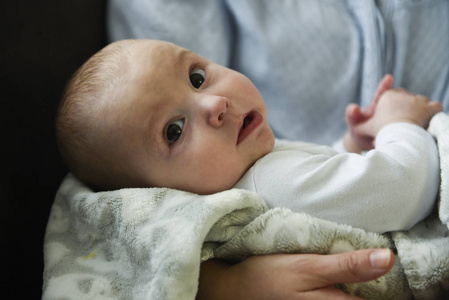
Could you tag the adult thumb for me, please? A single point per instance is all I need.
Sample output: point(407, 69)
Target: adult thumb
point(358, 266)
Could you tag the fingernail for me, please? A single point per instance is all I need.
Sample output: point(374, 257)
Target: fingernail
point(380, 259)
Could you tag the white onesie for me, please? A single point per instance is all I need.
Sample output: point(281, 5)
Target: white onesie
point(390, 188)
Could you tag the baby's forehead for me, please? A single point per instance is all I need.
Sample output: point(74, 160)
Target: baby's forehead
point(149, 76)
point(157, 50)
point(145, 82)
point(153, 63)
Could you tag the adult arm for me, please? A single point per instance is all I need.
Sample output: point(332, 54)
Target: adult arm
point(292, 276)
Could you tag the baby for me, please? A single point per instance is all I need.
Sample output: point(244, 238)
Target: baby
point(145, 113)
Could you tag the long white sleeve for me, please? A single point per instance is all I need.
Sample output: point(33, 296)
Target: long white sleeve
point(390, 188)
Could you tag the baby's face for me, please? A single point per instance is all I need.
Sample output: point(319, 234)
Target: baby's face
point(188, 123)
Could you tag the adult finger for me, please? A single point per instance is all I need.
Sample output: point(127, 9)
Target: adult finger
point(356, 266)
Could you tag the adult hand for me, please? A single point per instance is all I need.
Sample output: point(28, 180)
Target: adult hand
point(356, 140)
point(292, 276)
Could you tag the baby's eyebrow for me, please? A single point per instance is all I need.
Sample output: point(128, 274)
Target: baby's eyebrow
point(180, 58)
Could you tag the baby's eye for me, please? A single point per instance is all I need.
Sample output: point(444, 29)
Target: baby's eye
point(197, 77)
point(174, 131)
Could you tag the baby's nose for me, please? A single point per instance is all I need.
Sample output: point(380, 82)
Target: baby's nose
point(215, 108)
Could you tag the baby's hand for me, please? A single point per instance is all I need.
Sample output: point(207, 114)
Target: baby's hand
point(398, 105)
point(355, 140)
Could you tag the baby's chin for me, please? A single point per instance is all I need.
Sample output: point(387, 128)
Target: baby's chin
point(212, 190)
point(208, 187)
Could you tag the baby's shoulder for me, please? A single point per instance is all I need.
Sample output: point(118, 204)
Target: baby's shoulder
point(282, 145)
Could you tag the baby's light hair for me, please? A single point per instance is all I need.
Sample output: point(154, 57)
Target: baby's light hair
point(80, 119)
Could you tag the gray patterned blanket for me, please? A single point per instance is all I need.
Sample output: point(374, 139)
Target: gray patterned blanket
point(149, 243)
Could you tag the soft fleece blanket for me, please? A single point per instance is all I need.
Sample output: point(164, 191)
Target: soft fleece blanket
point(149, 243)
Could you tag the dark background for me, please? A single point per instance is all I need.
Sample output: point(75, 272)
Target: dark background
point(41, 44)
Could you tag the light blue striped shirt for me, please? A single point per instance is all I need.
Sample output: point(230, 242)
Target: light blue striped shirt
point(309, 58)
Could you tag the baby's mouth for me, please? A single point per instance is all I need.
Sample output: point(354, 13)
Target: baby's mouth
point(250, 122)
point(248, 119)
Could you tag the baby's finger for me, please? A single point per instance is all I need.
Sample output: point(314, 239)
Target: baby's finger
point(385, 84)
point(422, 98)
point(435, 107)
point(402, 90)
point(353, 114)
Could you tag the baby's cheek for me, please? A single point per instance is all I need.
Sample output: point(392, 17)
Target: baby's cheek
point(226, 180)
